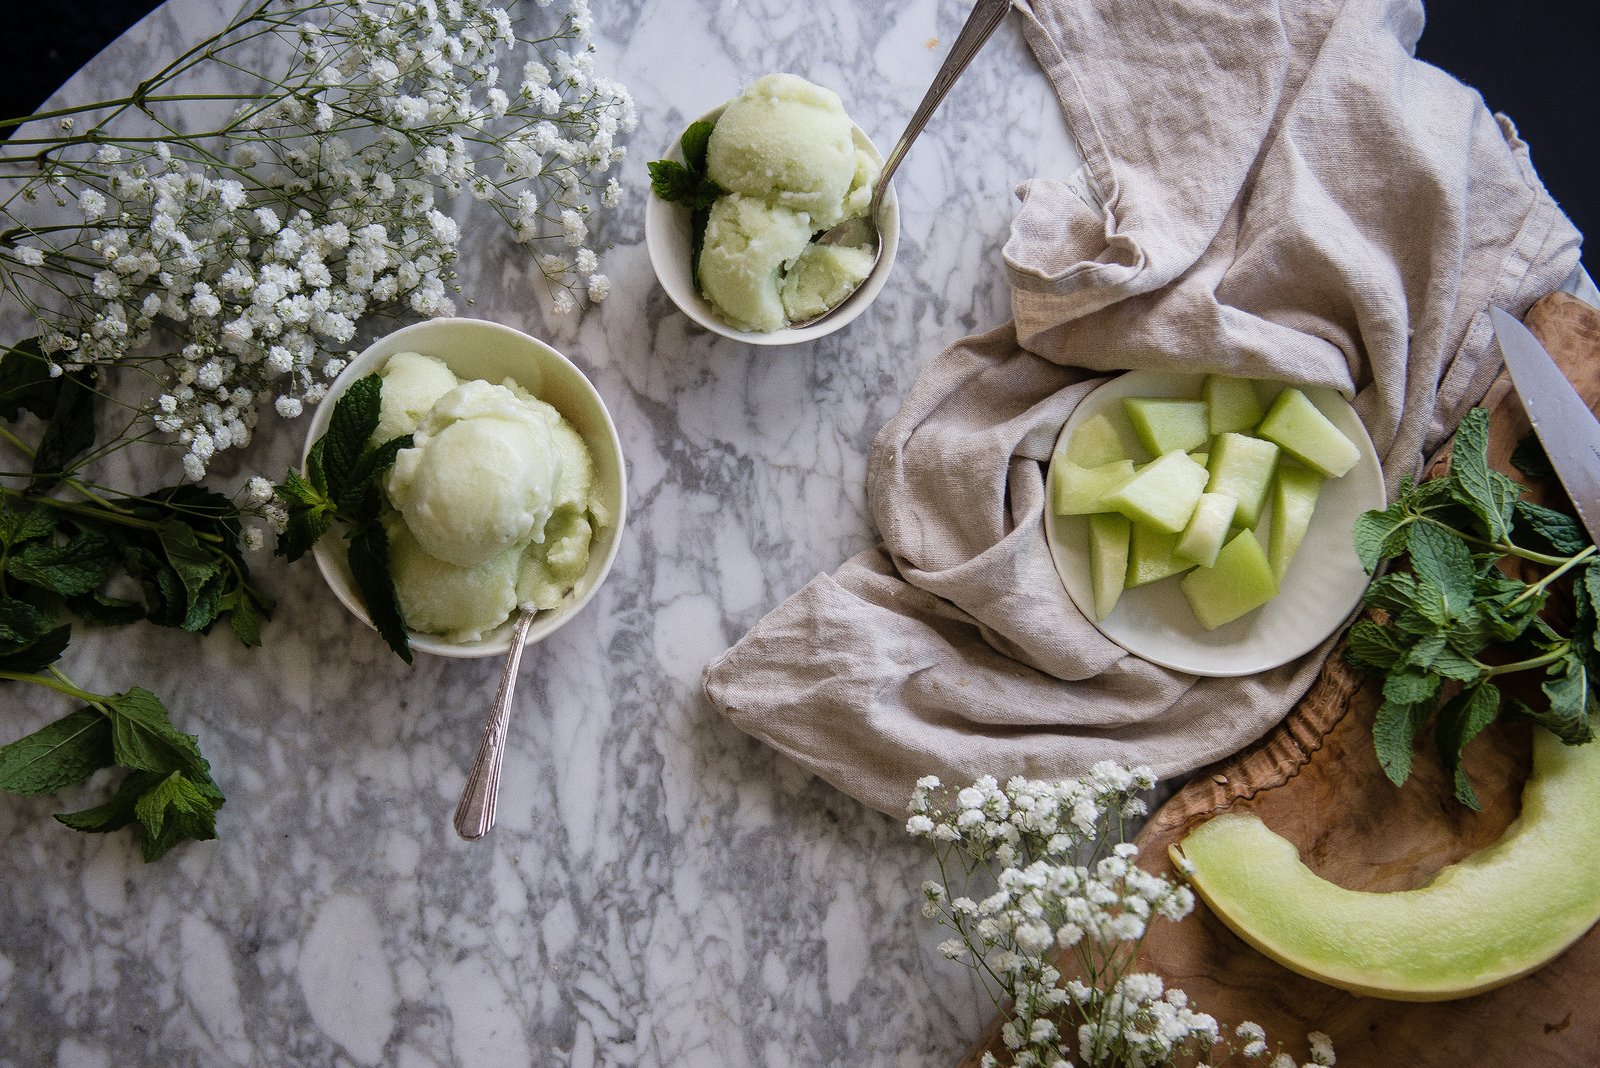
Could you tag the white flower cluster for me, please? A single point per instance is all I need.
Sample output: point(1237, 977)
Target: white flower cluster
point(1063, 891)
point(262, 246)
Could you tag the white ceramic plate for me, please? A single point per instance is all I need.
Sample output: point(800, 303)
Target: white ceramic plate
point(1322, 587)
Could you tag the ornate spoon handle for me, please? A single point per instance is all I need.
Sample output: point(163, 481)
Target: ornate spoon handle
point(475, 812)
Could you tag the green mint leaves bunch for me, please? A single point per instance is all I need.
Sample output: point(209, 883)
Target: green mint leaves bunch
point(175, 552)
point(1455, 623)
point(344, 483)
point(686, 183)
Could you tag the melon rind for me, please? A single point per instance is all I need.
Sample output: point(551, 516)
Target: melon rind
point(1496, 916)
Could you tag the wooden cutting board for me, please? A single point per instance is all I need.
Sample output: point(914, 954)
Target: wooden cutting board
point(1315, 780)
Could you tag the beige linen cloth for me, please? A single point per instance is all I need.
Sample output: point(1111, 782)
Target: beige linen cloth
point(1289, 194)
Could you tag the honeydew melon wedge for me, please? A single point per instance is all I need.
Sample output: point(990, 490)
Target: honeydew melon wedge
point(1294, 498)
point(1096, 442)
point(1239, 582)
point(1151, 557)
point(1476, 925)
point(1162, 494)
point(1234, 407)
point(1309, 436)
point(1167, 423)
point(1202, 539)
point(1241, 467)
point(1083, 490)
point(1108, 559)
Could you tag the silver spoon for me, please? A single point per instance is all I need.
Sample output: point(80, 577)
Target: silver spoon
point(862, 231)
point(475, 812)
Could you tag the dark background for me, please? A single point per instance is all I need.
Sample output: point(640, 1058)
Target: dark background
point(1527, 59)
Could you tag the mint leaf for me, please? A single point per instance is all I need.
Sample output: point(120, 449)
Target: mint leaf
point(25, 658)
point(1489, 494)
point(21, 624)
point(116, 813)
point(18, 527)
point(70, 430)
point(145, 739)
point(362, 483)
point(1530, 458)
point(369, 563)
point(61, 754)
point(672, 181)
point(172, 810)
point(83, 564)
point(355, 417)
point(245, 616)
point(1373, 648)
point(311, 513)
point(1461, 719)
point(198, 568)
point(694, 142)
point(1561, 534)
point(1380, 535)
point(1394, 735)
point(1441, 560)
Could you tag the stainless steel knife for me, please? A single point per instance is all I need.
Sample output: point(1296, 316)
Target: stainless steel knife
point(1565, 425)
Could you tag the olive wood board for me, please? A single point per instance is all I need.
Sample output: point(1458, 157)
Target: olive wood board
point(1315, 779)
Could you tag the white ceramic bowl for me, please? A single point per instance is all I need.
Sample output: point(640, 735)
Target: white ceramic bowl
point(474, 348)
point(667, 237)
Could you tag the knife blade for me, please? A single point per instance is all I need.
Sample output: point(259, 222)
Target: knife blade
point(1565, 425)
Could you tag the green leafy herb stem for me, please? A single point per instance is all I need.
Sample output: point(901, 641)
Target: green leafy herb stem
point(343, 484)
point(687, 183)
point(168, 791)
point(1455, 622)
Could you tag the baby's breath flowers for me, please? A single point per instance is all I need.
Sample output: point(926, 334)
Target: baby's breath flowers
point(231, 268)
point(234, 265)
point(1035, 876)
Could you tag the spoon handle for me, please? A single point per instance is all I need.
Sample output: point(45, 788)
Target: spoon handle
point(475, 812)
point(980, 26)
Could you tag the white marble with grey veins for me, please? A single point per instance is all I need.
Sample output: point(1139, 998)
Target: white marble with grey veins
point(660, 889)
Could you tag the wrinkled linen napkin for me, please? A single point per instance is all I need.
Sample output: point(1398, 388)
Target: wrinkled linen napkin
point(1288, 194)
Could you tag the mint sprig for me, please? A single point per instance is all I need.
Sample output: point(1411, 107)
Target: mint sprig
point(343, 484)
point(1454, 623)
point(687, 183)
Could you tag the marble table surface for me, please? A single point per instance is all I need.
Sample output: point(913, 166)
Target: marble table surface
point(660, 889)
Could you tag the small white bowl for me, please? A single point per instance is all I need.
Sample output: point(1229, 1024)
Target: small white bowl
point(474, 348)
point(667, 238)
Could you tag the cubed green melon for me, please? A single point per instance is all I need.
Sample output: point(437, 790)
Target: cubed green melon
point(1233, 403)
point(1151, 557)
point(1083, 490)
point(1161, 495)
point(1309, 436)
point(1096, 442)
point(1294, 497)
point(1239, 582)
point(1167, 423)
point(1202, 539)
point(1201, 458)
point(1241, 467)
point(1108, 559)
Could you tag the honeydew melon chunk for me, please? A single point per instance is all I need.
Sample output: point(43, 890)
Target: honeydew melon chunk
point(1309, 436)
point(1202, 539)
point(1294, 498)
point(1234, 407)
point(1201, 458)
point(1495, 916)
point(1162, 494)
point(1239, 582)
point(1167, 423)
point(1241, 467)
point(1096, 442)
point(1083, 490)
point(1151, 557)
point(1108, 559)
